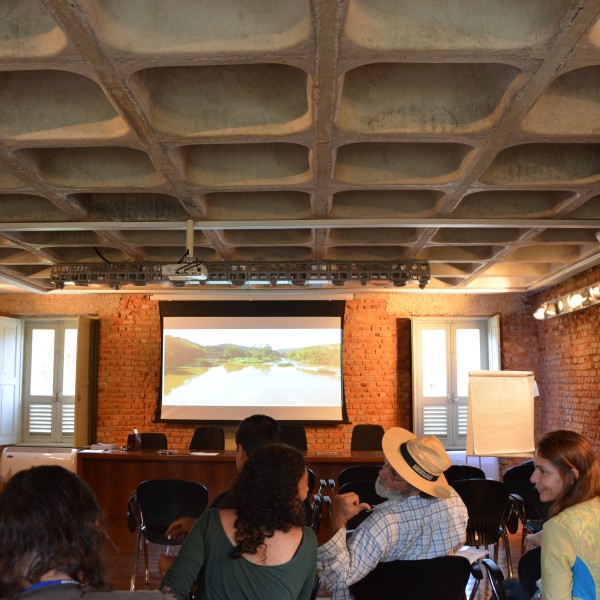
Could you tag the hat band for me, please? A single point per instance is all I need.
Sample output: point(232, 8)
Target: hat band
point(412, 463)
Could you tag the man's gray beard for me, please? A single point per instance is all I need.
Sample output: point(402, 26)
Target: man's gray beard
point(385, 492)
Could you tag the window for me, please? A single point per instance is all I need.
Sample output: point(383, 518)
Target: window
point(444, 351)
point(50, 355)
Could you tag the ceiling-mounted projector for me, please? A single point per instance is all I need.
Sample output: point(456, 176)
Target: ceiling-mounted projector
point(188, 270)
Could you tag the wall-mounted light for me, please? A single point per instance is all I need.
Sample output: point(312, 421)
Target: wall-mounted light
point(568, 303)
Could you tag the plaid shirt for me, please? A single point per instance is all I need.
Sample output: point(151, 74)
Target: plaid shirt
point(407, 529)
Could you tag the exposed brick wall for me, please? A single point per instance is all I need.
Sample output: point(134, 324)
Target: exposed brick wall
point(376, 368)
point(569, 367)
point(563, 352)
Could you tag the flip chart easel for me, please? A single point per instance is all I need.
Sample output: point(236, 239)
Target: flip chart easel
point(500, 415)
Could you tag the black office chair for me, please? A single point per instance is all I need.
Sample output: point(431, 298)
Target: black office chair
point(315, 502)
point(366, 437)
point(154, 505)
point(489, 506)
point(532, 512)
point(458, 472)
point(208, 438)
point(153, 441)
point(366, 492)
point(442, 578)
point(530, 570)
point(358, 473)
point(294, 435)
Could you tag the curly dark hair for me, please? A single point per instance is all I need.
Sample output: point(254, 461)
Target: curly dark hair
point(265, 496)
point(568, 450)
point(49, 519)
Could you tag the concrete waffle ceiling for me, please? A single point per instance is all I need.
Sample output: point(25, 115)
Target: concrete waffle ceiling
point(465, 133)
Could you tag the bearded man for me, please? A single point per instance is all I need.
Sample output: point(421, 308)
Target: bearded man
point(423, 517)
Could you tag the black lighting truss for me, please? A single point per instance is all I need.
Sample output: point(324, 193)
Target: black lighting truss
point(194, 272)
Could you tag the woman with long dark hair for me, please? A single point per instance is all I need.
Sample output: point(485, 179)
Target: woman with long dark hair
point(51, 539)
point(259, 549)
point(567, 474)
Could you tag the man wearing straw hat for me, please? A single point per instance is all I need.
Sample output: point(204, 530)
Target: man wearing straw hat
point(423, 516)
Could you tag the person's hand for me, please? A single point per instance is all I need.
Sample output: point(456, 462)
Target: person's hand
point(344, 507)
point(164, 563)
point(179, 528)
point(533, 540)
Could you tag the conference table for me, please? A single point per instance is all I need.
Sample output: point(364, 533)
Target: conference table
point(114, 475)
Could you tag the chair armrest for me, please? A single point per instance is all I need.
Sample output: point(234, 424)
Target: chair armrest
point(534, 525)
point(519, 505)
point(517, 513)
point(133, 513)
point(496, 578)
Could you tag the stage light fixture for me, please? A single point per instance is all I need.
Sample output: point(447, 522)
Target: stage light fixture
point(192, 272)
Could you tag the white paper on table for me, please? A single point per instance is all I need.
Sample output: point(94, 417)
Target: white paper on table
point(205, 453)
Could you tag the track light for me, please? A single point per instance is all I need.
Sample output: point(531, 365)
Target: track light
point(568, 303)
point(575, 300)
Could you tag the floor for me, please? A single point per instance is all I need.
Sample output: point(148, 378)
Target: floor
point(120, 562)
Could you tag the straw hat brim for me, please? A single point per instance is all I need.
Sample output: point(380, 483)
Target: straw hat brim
point(391, 442)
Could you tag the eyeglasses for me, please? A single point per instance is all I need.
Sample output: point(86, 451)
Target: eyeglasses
point(394, 476)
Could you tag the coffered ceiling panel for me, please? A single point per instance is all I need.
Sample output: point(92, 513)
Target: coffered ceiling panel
point(462, 133)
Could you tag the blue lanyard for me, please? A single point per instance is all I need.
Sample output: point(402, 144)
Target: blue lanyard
point(43, 584)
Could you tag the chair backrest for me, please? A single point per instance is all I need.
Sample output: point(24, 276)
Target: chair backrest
point(366, 492)
point(457, 472)
point(517, 480)
point(442, 578)
point(208, 438)
point(153, 441)
point(161, 501)
point(489, 506)
point(358, 473)
point(294, 435)
point(530, 570)
point(366, 437)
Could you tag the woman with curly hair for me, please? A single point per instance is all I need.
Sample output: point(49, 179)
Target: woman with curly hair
point(51, 538)
point(259, 549)
point(567, 474)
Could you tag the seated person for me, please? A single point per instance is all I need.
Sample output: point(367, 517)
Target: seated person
point(52, 534)
point(567, 474)
point(422, 518)
point(258, 548)
point(254, 431)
